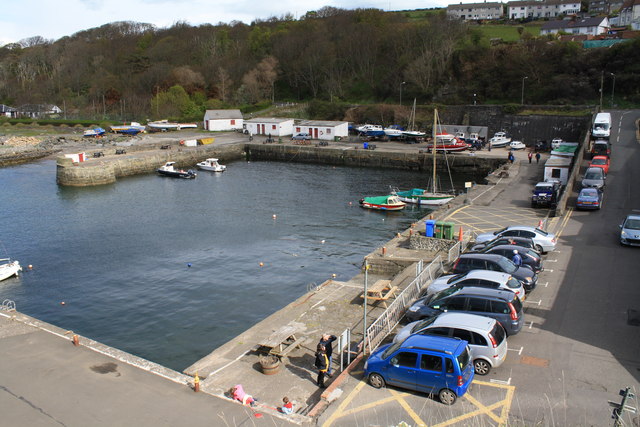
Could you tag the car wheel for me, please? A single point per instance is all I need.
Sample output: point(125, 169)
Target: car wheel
point(481, 366)
point(376, 380)
point(446, 396)
point(539, 249)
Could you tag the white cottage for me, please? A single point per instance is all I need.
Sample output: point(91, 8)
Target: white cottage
point(557, 168)
point(269, 126)
point(221, 120)
point(588, 26)
point(322, 129)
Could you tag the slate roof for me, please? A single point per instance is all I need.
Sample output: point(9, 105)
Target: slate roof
point(568, 23)
point(222, 114)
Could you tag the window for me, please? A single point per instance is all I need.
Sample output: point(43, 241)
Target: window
point(328, 131)
point(406, 359)
point(487, 284)
point(449, 365)
point(273, 127)
point(233, 121)
point(555, 173)
point(429, 362)
point(469, 282)
point(455, 303)
point(441, 332)
point(463, 334)
point(499, 307)
point(478, 304)
point(479, 339)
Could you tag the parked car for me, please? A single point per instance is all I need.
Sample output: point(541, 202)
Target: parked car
point(434, 365)
point(477, 261)
point(600, 147)
point(544, 241)
point(630, 230)
point(594, 178)
point(504, 306)
point(301, 136)
point(589, 198)
point(512, 240)
point(530, 258)
point(546, 194)
point(486, 337)
point(600, 162)
point(477, 278)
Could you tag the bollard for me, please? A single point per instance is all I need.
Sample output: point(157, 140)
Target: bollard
point(76, 340)
point(460, 234)
point(384, 250)
point(540, 224)
point(196, 383)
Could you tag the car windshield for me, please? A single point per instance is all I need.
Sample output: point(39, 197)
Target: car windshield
point(423, 324)
point(506, 265)
point(593, 175)
point(391, 349)
point(498, 333)
point(632, 223)
point(464, 358)
point(517, 304)
point(513, 283)
point(589, 192)
point(533, 254)
point(456, 278)
point(543, 188)
point(495, 233)
point(599, 162)
point(443, 293)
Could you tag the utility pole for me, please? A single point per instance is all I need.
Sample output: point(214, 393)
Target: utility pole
point(401, 84)
point(601, 87)
point(613, 87)
point(522, 94)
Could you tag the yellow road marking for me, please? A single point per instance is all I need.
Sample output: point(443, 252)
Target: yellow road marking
point(455, 212)
point(485, 410)
point(345, 402)
point(407, 408)
point(564, 222)
point(505, 409)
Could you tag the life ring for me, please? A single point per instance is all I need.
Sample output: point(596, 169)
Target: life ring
point(182, 142)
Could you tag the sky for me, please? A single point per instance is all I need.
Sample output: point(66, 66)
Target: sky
point(54, 19)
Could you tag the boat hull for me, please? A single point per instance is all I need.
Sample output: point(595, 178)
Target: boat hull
point(382, 207)
point(448, 148)
point(212, 168)
point(177, 174)
point(499, 142)
point(427, 199)
point(10, 269)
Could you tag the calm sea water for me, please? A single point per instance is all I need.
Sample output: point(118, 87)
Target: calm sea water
point(118, 256)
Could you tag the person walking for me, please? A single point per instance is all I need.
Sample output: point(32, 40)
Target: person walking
point(537, 157)
point(326, 340)
point(322, 363)
point(517, 259)
point(530, 156)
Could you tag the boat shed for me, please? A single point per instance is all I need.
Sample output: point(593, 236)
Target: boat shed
point(269, 126)
point(565, 149)
point(557, 168)
point(223, 120)
point(328, 130)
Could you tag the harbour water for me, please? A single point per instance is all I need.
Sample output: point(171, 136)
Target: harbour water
point(170, 269)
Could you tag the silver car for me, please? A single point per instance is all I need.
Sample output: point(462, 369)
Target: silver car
point(630, 231)
point(486, 337)
point(478, 278)
point(594, 178)
point(544, 241)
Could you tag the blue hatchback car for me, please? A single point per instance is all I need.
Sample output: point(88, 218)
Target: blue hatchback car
point(430, 364)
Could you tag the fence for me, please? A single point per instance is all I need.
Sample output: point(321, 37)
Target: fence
point(384, 324)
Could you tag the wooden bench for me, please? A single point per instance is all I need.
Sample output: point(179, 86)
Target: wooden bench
point(282, 341)
point(381, 291)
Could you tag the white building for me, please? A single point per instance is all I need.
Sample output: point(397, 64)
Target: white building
point(557, 168)
point(319, 129)
point(588, 26)
point(221, 120)
point(630, 14)
point(269, 126)
point(542, 9)
point(475, 11)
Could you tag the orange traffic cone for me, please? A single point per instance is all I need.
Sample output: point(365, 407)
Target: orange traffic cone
point(460, 234)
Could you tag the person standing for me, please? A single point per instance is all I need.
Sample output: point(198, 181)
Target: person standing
point(530, 156)
point(326, 340)
point(517, 259)
point(537, 157)
point(322, 363)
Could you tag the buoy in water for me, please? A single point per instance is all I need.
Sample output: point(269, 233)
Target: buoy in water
point(30, 266)
point(334, 275)
point(62, 303)
point(189, 264)
point(262, 264)
point(322, 241)
point(274, 216)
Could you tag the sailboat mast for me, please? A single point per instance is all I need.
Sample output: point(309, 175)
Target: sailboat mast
point(435, 122)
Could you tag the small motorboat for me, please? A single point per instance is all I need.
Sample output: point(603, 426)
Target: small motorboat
point(9, 268)
point(368, 127)
point(383, 203)
point(94, 133)
point(169, 170)
point(211, 165)
point(500, 139)
point(516, 145)
point(163, 125)
point(422, 197)
point(132, 129)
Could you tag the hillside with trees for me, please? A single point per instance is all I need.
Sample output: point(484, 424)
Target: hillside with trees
point(135, 71)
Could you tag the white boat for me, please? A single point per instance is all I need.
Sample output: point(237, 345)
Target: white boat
point(516, 145)
point(367, 128)
point(393, 131)
point(500, 139)
point(168, 169)
point(9, 268)
point(187, 126)
point(163, 125)
point(211, 165)
point(412, 132)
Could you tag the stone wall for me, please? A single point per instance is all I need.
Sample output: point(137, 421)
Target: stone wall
point(418, 241)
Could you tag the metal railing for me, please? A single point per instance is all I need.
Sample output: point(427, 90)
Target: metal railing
point(388, 320)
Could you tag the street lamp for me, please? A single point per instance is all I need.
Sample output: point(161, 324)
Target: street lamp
point(522, 94)
point(474, 99)
point(401, 84)
point(601, 87)
point(613, 87)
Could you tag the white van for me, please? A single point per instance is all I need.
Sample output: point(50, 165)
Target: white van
point(602, 125)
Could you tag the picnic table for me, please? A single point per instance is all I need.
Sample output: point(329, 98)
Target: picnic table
point(283, 340)
point(381, 291)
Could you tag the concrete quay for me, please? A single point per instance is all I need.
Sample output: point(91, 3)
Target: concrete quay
point(48, 381)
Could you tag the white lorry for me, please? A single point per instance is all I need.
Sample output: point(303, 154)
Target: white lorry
point(601, 126)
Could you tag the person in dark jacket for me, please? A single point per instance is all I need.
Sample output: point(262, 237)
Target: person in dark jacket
point(326, 340)
point(322, 363)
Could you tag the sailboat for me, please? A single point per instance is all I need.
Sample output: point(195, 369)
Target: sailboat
point(426, 197)
point(412, 132)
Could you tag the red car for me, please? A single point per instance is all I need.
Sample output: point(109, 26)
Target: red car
point(600, 162)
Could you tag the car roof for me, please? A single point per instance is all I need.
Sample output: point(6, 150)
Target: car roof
point(544, 183)
point(599, 157)
point(464, 320)
point(512, 247)
point(589, 190)
point(496, 276)
point(491, 257)
point(430, 342)
point(484, 292)
point(633, 216)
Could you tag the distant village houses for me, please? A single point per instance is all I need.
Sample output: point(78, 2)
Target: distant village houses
point(630, 14)
point(37, 111)
point(475, 11)
point(586, 26)
point(7, 111)
point(604, 7)
point(542, 9)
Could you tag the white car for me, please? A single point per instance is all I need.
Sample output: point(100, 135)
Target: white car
point(630, 231)
point(544, 242)
point(478, 278)
point(516, 145)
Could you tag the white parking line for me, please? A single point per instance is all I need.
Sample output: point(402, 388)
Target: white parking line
point(530, 325)
point(545, 284)
point(507, 382)
point(519, 351)
point(533, 302)
point(551, 260)
point(546, 270)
